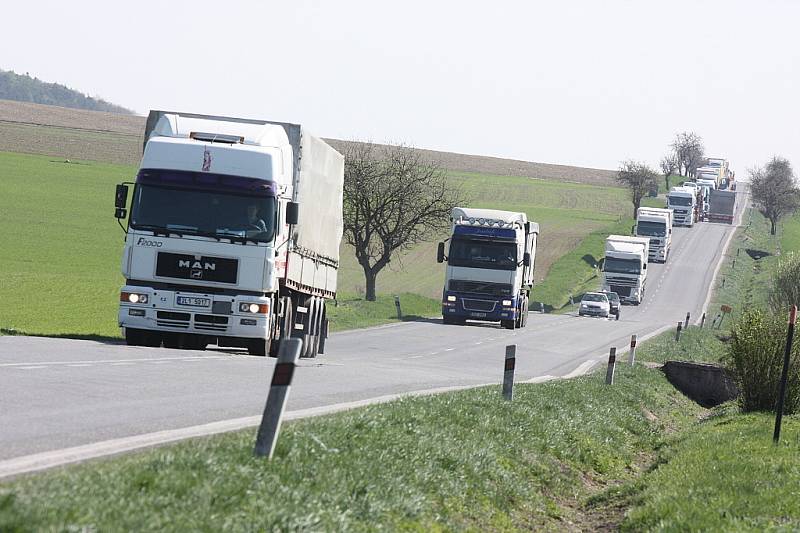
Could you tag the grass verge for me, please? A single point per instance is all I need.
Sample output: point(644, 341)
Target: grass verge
point(465, 460)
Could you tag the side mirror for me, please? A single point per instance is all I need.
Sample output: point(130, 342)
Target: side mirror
point(440, 253)
point(526, 259)
point(645, 267)
point(292, 213)
point(121, 201)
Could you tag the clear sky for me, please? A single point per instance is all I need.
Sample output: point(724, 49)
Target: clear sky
point(588, 83)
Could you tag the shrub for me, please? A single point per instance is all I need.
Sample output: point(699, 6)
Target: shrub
point(755, 355)
point(785, 291)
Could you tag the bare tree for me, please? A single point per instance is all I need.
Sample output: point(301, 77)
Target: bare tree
point(669, 165)
point(774, 190)
point(393, 199)
point(638, 178)
point(689, 152)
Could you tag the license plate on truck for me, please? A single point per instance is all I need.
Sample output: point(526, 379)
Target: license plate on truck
point(478, 315)
point(193, 301)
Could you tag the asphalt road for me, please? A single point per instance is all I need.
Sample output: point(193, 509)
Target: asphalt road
point(57, 394)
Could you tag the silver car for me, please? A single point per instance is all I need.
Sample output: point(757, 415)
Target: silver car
point(594, 304)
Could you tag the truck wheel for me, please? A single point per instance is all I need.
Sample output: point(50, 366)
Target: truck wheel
point(284, 326)
point(507, 324)
point(259, 347)
point(142, 337)
point(313, 328)
point(323, 331)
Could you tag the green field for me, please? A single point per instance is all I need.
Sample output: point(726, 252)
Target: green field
point(59, 270)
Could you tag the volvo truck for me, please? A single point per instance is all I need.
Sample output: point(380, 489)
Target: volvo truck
point(490, 261)
point(683, 202)
point(233, 235)
point(625, 267)
point(655, 224)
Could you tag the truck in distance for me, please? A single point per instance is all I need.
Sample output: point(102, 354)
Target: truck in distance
point(683, 202)
point(655, 224)
point(625, 267)
point(490, 261)
point(722, 206)
point(233, 236)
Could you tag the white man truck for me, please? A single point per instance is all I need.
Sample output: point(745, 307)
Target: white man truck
point(233, 236)
point(655, 224)
point(490, 262)
point(625, 267)
point(683, 202)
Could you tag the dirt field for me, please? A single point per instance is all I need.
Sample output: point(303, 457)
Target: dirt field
point(112, 138)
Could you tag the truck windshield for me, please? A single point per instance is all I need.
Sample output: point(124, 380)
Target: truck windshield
point(483, 254)
point(622, 266)
point(651, 229)
point(219, 214)
point(679, 200)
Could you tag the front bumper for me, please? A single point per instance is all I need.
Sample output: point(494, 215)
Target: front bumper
point(221, 318)
point(594, 311)
point(478, 307)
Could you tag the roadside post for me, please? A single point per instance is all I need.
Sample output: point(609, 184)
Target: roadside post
point(267, 437)
point(784, 375)
point(632, 354)
point(725, 310)
point(508, 373)
point(702, 320)
point(612, 363)
point(686, 323)
point(678, 332)
point(571, 301)
point(397, 305)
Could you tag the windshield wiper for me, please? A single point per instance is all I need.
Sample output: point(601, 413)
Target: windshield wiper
point(235, 236)
point(157, 230)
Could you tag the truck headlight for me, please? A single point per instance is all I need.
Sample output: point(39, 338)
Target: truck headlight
point(451, 298)
point(506, 302)
point(133, 297)
point(254, 308)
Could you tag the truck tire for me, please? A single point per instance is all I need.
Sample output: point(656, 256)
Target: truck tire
point(323, 331)
point(507, 324)
point(142, 337)
point(285, 325)
point(452, 320)
point(312, 335)
point(260, 347)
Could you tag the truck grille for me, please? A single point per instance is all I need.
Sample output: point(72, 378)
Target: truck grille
point(621, 282)
point(480, 287)
point(211, 322)
point(171, 319)
point(484, 306)
point(622, 292)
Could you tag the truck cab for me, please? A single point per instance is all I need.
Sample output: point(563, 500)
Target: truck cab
point(215, 251)
point(683, 202)
point(655, 224)
point(625, 267)
point(490, 262)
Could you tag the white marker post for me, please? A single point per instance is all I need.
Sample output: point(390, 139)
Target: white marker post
point(267, 437)
point(612, 362)
point(508, 375)
point(632, 356)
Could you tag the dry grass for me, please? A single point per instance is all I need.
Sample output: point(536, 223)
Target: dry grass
point(63, 132)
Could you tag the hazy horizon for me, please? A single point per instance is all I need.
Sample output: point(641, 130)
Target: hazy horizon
point(587, 84)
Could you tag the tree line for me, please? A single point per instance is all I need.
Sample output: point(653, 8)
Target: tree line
point(24, 88)
point(773, 186)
